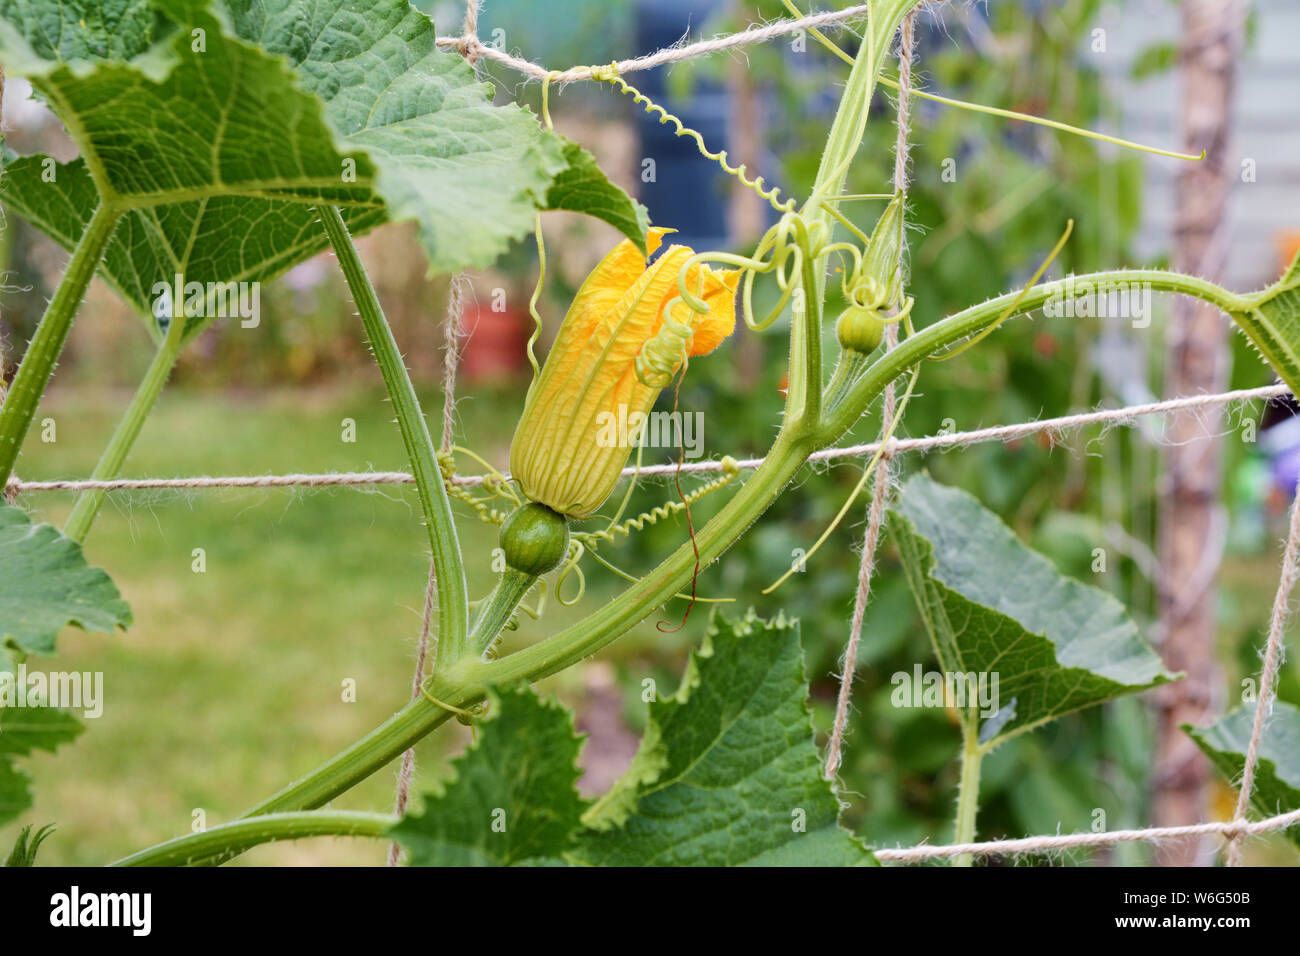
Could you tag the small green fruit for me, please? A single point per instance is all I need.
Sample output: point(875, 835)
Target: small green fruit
point(860, 329)
point(535, 539)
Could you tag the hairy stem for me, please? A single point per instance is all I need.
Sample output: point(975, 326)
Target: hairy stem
point(127, 431)
point(247, 833)
point(500, 608)
point(369, 754)
point(38, 363)
point(453, 599)
point(968, 789)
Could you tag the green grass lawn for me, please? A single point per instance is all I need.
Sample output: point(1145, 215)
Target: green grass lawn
point(229, 684)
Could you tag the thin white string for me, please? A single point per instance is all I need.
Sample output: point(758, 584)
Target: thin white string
point(407, 771)
point(1268, 675)
point(471, 47)
point(457, 292)
point(1003, 433)
point(1045, 844)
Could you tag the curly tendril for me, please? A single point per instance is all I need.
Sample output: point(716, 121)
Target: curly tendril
point(494, 483)
point(587, 542)
point(610, 74)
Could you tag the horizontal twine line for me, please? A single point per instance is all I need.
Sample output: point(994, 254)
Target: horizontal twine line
point(1003, 433)
point(470, 45)
point(1040, 844)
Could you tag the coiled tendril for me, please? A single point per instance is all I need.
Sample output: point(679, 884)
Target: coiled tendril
point(609, 74)
point(587, 542)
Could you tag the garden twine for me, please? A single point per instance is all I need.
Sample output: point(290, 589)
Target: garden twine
point(471, 47)
point(880, 480)
point(938, 442)
point(1273, 654)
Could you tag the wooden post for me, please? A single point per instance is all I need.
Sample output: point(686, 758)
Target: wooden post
point(1191, 526)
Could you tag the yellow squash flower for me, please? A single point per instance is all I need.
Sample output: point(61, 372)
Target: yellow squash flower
point(561, 454)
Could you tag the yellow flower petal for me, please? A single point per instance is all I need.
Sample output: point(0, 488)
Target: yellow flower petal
point(562, 454)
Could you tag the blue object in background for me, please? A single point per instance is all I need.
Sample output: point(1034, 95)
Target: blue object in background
point(689, 192)
point(1281, 443)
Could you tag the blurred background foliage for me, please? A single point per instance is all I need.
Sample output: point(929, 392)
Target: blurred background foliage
point(305, 590)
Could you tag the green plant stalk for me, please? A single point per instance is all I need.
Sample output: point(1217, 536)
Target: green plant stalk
point(792, 447)
point(975, 319)
point(449, 569)
point(804, 388)
point(368, 755)
point(850, 365)
point(127, 431)
point(850, 123)
point(968, 788)
point(247, 833)
point(842, 144)
point(43, 352)
point(511, 589)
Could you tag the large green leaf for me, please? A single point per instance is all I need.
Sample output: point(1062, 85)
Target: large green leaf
point(45, 585)
point(469, 174)
point(219, 142)
point(728, 772)
point(512, 800)
point(23, 730)
point(994, 607)
point(1277, 775)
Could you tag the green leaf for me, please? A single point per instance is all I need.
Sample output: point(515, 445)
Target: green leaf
point(22, 730)
point(583, 187)
point(28, 728)
point(1156, 58)
point(1277, 775)
point(217, 240)
point(15, 791)
point(218, 153)
point(77, 29)
point(994, 607)
point(512, 799)
point(728, 772)
point(1272, 324)
point(27, 844)
point(469, 174)
point(45, 585)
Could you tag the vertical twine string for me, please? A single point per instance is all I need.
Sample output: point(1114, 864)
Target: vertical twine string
point(452, 341)
point(456, 293)
point(407, 772)
point(1273, 654)
point(881, 479)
